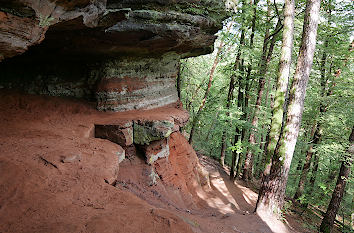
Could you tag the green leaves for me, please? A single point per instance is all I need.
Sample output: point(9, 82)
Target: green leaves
point(336, 122)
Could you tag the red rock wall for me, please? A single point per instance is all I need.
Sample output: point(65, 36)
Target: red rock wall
point(181, 167)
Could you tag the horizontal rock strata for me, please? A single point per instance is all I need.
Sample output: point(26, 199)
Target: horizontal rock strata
point(125, 54)
point(137, 84)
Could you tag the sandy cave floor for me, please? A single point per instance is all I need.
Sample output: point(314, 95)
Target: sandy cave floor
point(38, 193)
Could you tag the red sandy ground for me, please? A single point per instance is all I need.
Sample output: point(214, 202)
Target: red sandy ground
point(40, 193)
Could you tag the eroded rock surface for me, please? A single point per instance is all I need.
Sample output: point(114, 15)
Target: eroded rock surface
point(148, 131)
point(111, 27)
point(63, 180)
point(157, 150)
point(129, 84)
point(125, 54)
point(121, 133)
point(60, 158)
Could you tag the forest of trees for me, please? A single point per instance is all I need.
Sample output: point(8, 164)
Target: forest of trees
point(275, 103)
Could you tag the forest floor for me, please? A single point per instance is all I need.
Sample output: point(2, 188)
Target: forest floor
point(243, 197)
point(238, 202)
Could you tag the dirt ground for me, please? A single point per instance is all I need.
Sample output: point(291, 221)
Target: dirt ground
point(56, 177)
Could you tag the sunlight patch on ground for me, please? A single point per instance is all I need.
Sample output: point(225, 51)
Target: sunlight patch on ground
point(219, 184)
point(273, 223)
point(216, 203)
point(248, 195)
point(224, 202)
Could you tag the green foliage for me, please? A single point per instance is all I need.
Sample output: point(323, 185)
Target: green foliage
point(335, 40)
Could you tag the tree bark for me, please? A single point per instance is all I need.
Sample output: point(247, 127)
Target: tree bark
point(223, 148)
point(279, 98)
point(228, 103)
point(266, 57)
point(178, 83)
point(238, 66)
point(271, 199)
point(223, 138)
point(305, 169)
point(281, 86)
point(318, 132)
point(211, 76)
point(248, 165)
point(238, 131)
point(344, 172)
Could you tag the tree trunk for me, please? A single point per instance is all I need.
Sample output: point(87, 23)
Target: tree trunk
point(271, 199)
point(266, 57)
point(238, 66)
point(303, 177)
point(223, 148)
point(318, 132)
point(178, 83)
point(228, 103)
point(233, 163)
point(211, 76)
point(344, 172)
point(238, 132)
point(281, 86)
point(264, 143)
point(265, 168)
point(314, 171)
point(279, 99)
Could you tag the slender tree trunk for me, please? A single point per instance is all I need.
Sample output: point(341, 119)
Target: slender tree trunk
point(223, 149)
point(264, 144)
point(238, 133)
point(228, 103)
point(211, 76)
point(266, 57)
point(316, 138)
point(179, 81)
point(344, 172)
point(314, 171)
point(238, 66)
point(233, 163)
point(271, 199)
point(265, 168)
point(305, 169)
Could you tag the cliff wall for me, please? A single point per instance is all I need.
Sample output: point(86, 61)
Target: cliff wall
point(109, 160)
point(123, 54)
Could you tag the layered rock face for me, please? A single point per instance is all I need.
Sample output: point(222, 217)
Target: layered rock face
point(59, 158)
point(137, 83)
point(125, 54)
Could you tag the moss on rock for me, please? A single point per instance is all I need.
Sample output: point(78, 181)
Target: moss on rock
point(148, 131)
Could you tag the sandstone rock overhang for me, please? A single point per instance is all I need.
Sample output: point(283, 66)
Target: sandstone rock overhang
point(124, 52)
point(109, 28)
